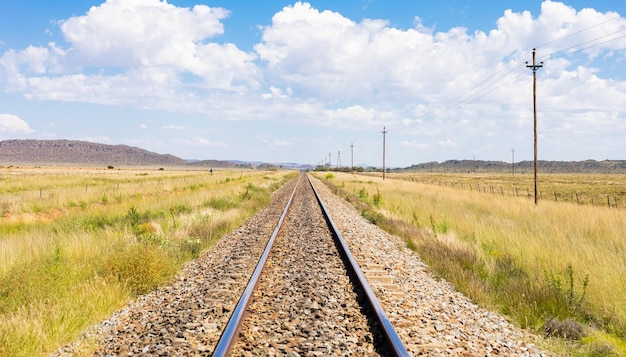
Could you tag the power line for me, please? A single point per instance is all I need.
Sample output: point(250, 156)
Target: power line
point(580, 31)
point(585, 48)
point(499, 78)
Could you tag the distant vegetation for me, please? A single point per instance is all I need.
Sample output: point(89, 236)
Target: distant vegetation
point(480, 166)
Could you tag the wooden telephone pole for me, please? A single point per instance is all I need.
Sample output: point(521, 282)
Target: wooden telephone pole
point(352, 157)
point(534, 67)
point(513, 162)
point(339, 159)
point(384, 134)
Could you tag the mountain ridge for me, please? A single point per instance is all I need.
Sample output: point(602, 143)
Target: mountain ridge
point(30, 151)
point(76, 152)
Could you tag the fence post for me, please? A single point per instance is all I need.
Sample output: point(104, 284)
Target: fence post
point(556, 199)
point(577, 199)
point(608, 200)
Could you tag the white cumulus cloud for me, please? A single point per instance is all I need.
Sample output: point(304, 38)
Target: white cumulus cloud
point(13, 124)
point(147, 53)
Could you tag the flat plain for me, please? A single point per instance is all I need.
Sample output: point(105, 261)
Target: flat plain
point(79, 243)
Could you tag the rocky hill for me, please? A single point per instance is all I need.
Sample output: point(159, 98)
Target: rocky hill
point(80, 152)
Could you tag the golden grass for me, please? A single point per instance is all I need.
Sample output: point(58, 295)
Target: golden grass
point(531, 262)
point(77, 244)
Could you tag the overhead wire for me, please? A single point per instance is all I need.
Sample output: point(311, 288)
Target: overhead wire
point(553, 54)
point(487, 86)
point(580, 31)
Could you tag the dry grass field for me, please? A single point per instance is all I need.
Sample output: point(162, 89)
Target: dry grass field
point(557, 268)
point(76, 244)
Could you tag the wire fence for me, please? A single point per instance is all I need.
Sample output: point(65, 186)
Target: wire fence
point(579, 190)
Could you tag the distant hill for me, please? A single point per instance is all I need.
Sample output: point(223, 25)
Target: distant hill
point(75, 152)
point(80, 152)
point(587, 166)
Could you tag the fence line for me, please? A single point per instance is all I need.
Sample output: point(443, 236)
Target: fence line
point(580, 199)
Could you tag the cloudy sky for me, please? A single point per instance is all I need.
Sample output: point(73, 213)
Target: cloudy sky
point(280, 81)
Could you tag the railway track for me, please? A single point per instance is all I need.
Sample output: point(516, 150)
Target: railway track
point(310, 295)
point(306, 304)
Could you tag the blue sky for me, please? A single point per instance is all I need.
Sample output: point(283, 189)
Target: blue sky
point(281, 81)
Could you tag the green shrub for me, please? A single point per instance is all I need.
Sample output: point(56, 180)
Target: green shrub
point(377, 198)
point(92, 223)
point(569, 297)
point(442, 226)
point(189, 248)
point(133, 217)
point(222, 203)
point(142, 229)
point(363, 195)
point(142, 267)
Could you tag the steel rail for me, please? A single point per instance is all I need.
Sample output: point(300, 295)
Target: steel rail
point(395, 343)
point(229, 335)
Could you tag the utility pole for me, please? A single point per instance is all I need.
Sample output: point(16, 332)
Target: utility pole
point(384, 134)
point(534, 67)
point(352, 157)
point(339, 159)
point(330, 162)
point(513, 162)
